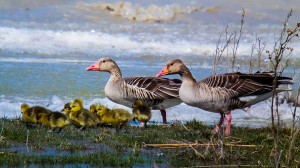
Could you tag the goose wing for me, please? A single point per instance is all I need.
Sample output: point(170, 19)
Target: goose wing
point(152, 88)
point(245, 84)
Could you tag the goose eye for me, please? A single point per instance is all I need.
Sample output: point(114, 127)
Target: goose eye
point(172, 64)
point(103, 61)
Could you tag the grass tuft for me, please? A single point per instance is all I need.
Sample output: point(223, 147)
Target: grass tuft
point(104, 147)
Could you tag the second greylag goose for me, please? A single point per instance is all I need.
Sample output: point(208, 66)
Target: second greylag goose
point(157, 93)
point(223, 93)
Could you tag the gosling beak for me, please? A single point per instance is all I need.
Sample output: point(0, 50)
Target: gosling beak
point(163, 72)
point(94, 67)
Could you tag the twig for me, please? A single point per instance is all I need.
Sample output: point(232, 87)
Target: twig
point(184, 145)
point(220, 145)
point(234, 166)
point(251, 56)
point(237, 41)
point(181, 123)
point(174, 140)
point(27, 141)
point(218, 53)
point(276, 57)
point(293, 130)
point(183, 126)
point(2, 129)
point(260, 50)
point(278, 160)
point(196, 152)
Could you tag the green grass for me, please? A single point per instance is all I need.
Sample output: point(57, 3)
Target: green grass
point(104, 147)
point(95, 159)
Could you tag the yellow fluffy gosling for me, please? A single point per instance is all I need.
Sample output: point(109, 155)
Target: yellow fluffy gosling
point(29, 114)
point(116, 117)
point(141, 112)
point(54, 120)
point(81, 117)
point(93, 110)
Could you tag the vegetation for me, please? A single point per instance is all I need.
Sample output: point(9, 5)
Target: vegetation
point(279, 58)
point(175, 145)
point(29, 145)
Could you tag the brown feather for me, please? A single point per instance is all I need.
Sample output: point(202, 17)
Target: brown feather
point(246, 84)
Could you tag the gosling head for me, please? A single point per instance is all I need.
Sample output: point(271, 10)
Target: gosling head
point(24, 107)
point(138, 103)
point(78, 101)
point(75, 107)
point(93, 108)
point(101, 110)
point(67, 107)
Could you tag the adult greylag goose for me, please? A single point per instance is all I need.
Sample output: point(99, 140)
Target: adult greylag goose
point(223, 93)
point(157, 93)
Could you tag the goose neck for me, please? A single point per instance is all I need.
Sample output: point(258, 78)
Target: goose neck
point(115, 74)
point(187, 75)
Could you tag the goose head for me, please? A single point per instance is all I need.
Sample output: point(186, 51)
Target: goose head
point(173, 66)
point(24, 107)
point(104, 64)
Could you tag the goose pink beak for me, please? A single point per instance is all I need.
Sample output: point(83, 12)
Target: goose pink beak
point(94, 67)
point(163, 72)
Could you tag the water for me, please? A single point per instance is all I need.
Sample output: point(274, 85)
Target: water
point(45, 47)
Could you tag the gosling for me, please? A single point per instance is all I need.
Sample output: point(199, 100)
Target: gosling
point(29, 114)
point(81, 116)
point(93, 111)
point(141, 112)
point(116, 117)
point(54, 120)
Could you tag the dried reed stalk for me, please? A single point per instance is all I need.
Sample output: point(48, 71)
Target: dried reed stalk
point(185, 145)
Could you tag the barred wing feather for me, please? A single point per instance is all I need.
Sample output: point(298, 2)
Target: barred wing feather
point(245, 84)
point(152, 88)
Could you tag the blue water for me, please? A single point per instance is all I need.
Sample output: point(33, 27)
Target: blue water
point(45, 47)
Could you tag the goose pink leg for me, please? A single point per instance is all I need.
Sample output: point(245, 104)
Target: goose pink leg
point(228, 123)
point(218, 126)
point(164, 116)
